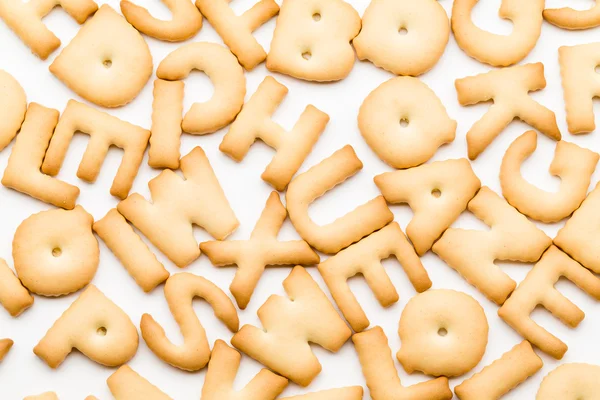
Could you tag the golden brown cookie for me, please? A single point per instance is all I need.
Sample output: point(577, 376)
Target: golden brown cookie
point(404, 122)
point(508, 89)
point(437, 193)
point(568, 18)
point(472, 252)
point(364, 258)
point(254, 122)
point(312, 40)
point(537, 289)
point(288, 327)
point(574, 166)
point(13, 104)
point(180, 290)
point(179, 204)
point(573, 381)
point(494, 49)
point(380, 372)
point(107, 63)
point(14, 297)
point(261, 250)
point(443, 333)
point(318, 180)
point(126, 384)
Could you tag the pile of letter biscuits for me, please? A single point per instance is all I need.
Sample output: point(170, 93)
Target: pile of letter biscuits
point(443, 332)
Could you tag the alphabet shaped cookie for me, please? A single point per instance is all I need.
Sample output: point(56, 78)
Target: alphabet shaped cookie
point(494, 49)
point(404, 122)
point(579, 238)
point(129, 248)
point(222, 371)
point(254, 122)
point(186, 21)
point(107, 63)
point(180, 290)
point(437, 193)
point(573, 164)
point(23, 170)
point(96, 327)
point(365, 258)
point(443, 333)
point(177, 205)
point(472, 252)
point(25, 19)
point(312, 40)
point(289, 325)
point(580, 83)
point(167, 111)
point(126, 384)
point(380, 372)
point(344, 231)
point(346, 393)
point(13, 104)
point(226, 75)
point(236, 31)
point(13, 295)
point(508, 88)
point(568, 18)
point(51, 396)
point(55, 251)
point(404, 37)
point(5, 346)
point(501, 376)
point(261, 250)
point(537, 289)
point(105, 131)
point(570, 382)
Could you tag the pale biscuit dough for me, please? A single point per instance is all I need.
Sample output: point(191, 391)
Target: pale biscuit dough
point(347, 393)
point(501, 376)
point(574, 166)
point(289, 326)
point(443, 333)
point(129, 248)
point(511, 237)
point(13, 295)
point(261, 250)
point(508, 89)
point(185, 23)
point(405, 37)
point(312, 40)
point(126, 384)
point(25, 19)
point(5, 346)
point(55, 251)
point(573, 381)
point(96, 327)
point(226, 75)
point(236, 31)
point(494, 49)
point(380, 372)
point(167, 115)
point(318, 180)
point(404, 122)
point(221, 374)
point(569, 18)
point(580, 236)
point(365, 258)
point(13, 104)
point(107, 63)
point(581, 84)
point(23, 171)
point(105, 131)
point(177, 205)
point(537, 289)
point(180, 290)
point(254, 122)
point(437, 193)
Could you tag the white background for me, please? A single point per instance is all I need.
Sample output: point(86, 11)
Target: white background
point(22, 373)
